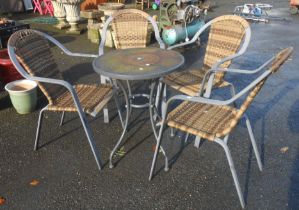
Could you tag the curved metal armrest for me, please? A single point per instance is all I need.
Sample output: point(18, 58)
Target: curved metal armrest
point(63, 83)
point(21, 70)
point(242, 71)
point(103, 35)
point(228, 58)
point(239, 71)
point(157, 32)
point(200, 99)
point(66, 51)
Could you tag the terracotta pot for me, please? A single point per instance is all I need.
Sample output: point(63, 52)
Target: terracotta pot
point(91, 4)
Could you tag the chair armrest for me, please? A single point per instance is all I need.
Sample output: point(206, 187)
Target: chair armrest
point(65, 84)
point(199, 99)
point(239, 71)
point(104, 34)
point(65, 50)
point(157, 32)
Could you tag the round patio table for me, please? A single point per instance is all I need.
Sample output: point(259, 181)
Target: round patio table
point(138, 64)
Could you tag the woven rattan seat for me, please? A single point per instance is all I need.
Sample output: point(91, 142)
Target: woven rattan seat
point(189, 82)
point(92, 99)
point(225, 38)
point(204, 120)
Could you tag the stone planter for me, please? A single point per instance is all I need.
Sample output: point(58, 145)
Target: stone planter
point(72, 10)
point(59, 13)
point(93, 25)
point(110, 8)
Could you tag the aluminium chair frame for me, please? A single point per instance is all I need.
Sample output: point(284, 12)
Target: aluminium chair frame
point(75, 98)
point(223, 141)
point(209, 76)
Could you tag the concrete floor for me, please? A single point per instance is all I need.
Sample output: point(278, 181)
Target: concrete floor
point(198, 178)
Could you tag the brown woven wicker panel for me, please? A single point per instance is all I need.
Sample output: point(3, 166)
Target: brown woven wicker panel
point(204, 120)
point(92, 99)
point(225, 38)
point(280, 58)
point(189, 82)
point(130, 29)
point(33, 52)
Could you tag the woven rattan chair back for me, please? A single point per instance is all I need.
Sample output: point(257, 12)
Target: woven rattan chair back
point(130, 29)
point(34, 54)
point(225, 38)
point(279, 60)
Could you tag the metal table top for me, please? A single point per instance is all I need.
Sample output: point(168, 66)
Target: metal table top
point(138, 63)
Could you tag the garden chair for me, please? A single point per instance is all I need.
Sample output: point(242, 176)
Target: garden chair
point(229, 37)
point(130, 29)
point(30, 53)
point(214, 120)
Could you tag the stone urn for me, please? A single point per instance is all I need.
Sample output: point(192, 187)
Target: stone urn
point(59, 13)
point(72, 10)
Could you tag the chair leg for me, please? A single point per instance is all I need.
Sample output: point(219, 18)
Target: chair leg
point(164, 101)
point(156, 151)
point(105, 110)
point(90, 139)
point(62, 119)
point(40, 117)
point(158, 96)
point(186, 137)
point(232, 169)
point(154, 117)
point(253, 142)
point(124, 124)
point(129, 95)
point(172, 132)
point(197, 142)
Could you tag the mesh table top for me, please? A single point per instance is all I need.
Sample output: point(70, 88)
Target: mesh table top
point(138, 63)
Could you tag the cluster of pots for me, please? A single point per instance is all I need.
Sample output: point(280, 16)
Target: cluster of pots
point(68, 14)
